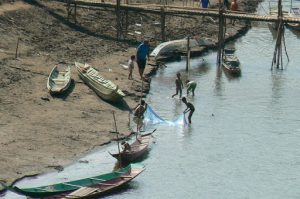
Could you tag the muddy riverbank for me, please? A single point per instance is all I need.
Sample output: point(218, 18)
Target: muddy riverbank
point(40, 132)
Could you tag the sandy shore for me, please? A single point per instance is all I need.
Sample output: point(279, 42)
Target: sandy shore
point(39, 131)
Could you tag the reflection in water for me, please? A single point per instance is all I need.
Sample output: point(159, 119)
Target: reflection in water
point(218, 81)
point(278, 79)
point(230, 76)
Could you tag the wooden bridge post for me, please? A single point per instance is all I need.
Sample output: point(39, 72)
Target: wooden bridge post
point(221, 34)
point(118, 15)
point(163, 23)
point(70, 10)
point(126, 19)
point(277, 56)
point(188, 51)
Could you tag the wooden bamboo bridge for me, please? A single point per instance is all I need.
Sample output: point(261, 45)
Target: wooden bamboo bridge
point(188, 10)
point(165, 9)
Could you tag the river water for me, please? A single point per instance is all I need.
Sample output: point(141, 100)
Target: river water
point(244, 141)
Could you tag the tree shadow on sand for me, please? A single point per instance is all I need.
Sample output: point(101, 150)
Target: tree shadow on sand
point(122, 105)
point(74, 26)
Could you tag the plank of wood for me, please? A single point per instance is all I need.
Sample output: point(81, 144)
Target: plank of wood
point(84, 191)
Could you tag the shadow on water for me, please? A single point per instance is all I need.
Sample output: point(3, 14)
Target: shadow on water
point(231, 76)
point(65, 94)
point(218, 81)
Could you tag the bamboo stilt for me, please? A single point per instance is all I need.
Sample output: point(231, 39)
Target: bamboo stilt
point(221, 34)
point(118, 15)
point(16, 55)
point(277, 55)
point(188, 51)
point(163, 24)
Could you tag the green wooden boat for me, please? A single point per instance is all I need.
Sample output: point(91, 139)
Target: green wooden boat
point(104, 88)
point(113, 179)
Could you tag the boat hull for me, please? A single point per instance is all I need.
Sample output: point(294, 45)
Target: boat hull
point(113, 94)
point(60, 190)
point(59, 81)
point(139, 149)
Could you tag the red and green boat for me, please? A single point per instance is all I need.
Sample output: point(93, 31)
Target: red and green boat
point(99, 184)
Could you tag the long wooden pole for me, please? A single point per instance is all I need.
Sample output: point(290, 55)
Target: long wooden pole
point(188, 51)
point(16, 55)
point(117, 133)
point(163, 24)
point(118, 15)
point(221, 34)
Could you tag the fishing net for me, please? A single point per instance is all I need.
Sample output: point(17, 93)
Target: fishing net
point(151, 117)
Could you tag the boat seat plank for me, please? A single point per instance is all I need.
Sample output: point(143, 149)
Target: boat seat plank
point(81, 192)
point(59, 80)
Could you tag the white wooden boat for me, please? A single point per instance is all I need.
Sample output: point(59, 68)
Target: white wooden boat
point(172, 48)
point(104, 88)
point(294, 12)
point(59, 80)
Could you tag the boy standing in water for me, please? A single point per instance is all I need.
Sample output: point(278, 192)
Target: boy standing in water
point(191, 86)
point(189, 108)
point(131, 66)
point(179, 85)
point(139, 111)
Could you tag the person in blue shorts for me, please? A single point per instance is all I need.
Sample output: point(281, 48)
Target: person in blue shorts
point(142, 54)
point(204, 3)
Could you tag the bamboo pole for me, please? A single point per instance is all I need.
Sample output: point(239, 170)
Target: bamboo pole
point(118, 15)
point(163, 23)
point(75, 12)
point(221, 34)
point(188, 51)
point(280, 40)
point(117, 134)
point(16, 55)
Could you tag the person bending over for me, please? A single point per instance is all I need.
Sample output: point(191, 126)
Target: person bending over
point(189, 108)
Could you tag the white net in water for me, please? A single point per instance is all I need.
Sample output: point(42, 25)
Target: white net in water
point(150, 118)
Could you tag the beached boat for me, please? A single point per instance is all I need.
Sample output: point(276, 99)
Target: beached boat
point(93, 185)
point(104, 88)
point(138, 149)
point(172, 49)
point(59, 81)
point(295, 13)
point(231, 62)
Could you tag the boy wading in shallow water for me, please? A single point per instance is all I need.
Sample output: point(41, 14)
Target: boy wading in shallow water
point(139, 111)
point(189, 108)
point(179, 85)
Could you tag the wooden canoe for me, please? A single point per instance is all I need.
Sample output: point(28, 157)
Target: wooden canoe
point(230, 62)
point(104, 88)
point(139, 148)
point(294, 12)
point(102, 184)
point(59, 81)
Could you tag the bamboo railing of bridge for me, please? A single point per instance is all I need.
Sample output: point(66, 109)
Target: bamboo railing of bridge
point(171, 10)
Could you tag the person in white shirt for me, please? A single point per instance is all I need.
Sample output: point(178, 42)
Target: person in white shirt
point(131, 66)
point(191, 86)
